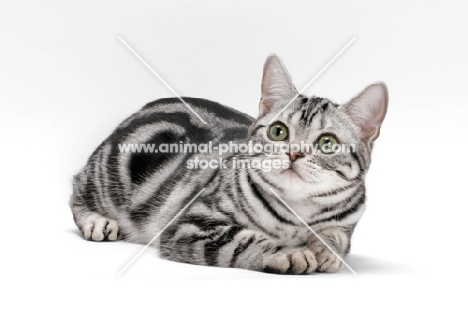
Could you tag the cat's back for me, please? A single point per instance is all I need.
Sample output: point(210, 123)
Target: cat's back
point(169, 121)
point(191, 112)
point(142, 167)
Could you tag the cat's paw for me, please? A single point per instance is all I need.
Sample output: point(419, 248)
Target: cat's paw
point(295, 261)
point(98, 228)
point(326, 260)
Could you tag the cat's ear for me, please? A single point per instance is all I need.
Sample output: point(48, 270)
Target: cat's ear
point(277, 86)
point(368, 109)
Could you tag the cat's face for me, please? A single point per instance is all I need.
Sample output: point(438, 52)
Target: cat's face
point(322, 146)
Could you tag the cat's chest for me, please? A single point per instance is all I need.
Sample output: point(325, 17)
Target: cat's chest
point(274, 220)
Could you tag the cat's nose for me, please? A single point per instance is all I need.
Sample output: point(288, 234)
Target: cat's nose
point(294, 155)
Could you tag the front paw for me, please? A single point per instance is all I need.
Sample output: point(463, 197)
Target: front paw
point(294, 261)
point(326, 260)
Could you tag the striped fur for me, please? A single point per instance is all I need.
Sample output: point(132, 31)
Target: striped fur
point(236, 221)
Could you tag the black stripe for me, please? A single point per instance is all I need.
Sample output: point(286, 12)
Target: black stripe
point(208, 228)
point(276, 249)
point(239, 250)
point(269, 182)
point(141, 213)
point(358, 160)
point(212, 248)
point(255, 223)
point(234, 133)
point(311, 109)
point(336, 191)
point(267, 205)
point(342, 175)
point(89, 195)
point(256, 129)
point(307, 262)
point(202, 222)
point(86, 195)
point(185, 247)
point(143, 165)
point(115, 187)
point(246, 212)
point(271, 270)
point(322, 119)
point(194, 134)
point(104, 176)
point(96, 169)
point(219, 110)
point(345, 213)
point(289, 271)
point(170, 232)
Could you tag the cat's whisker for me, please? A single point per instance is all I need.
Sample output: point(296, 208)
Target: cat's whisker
point(258, 177)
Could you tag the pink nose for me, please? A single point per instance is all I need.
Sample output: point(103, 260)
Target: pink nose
point(294, 155)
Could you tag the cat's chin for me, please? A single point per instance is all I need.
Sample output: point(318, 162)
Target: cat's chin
point(293, 186)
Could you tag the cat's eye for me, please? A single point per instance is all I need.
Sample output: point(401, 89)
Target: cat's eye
point(278, 132)
point(326, 143)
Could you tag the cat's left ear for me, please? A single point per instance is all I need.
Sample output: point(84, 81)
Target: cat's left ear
point(277, 86)
point(368, 109)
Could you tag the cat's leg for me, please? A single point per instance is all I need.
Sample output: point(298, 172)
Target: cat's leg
point(276, 258)
point(94, 226)
point(236, 247)
point(91, 223)
point(339, 240)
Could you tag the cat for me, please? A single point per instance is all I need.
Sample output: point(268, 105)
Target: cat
point(237, 221)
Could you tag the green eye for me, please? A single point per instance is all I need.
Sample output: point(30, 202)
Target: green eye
point(278, 132)
point(326, 143)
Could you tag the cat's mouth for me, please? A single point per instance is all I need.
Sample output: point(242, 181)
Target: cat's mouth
point(291, 173)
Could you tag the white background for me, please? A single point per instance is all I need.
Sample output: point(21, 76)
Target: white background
point(66, 82)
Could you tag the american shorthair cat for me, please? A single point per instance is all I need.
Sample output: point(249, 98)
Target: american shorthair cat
point(237, 221)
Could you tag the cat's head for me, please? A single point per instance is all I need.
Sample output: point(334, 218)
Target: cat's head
point(340, 137)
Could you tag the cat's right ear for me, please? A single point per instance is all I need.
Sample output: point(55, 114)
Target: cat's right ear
point(368, 110)
point(277, 86)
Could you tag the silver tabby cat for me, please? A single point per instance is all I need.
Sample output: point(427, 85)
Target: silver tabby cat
point(237, 221)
